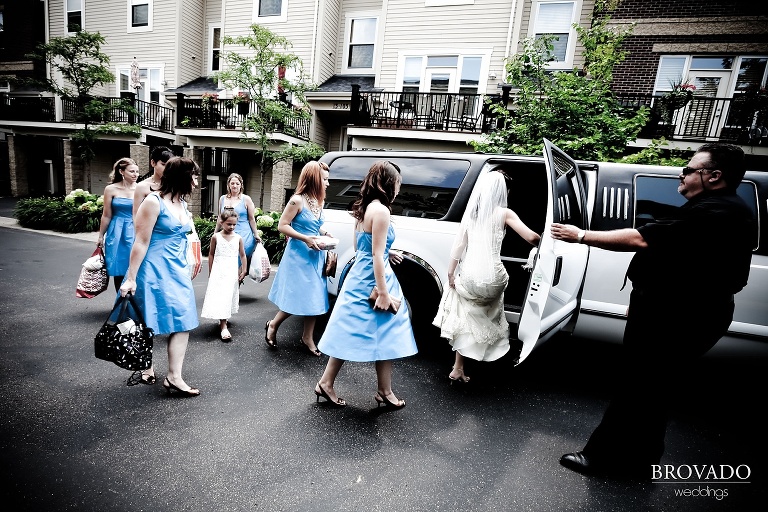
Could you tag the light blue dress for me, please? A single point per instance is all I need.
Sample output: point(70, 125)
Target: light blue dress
point(163, 287)
point(118, 239)
point(243, 227)
point(299, 287)
point(357, 332)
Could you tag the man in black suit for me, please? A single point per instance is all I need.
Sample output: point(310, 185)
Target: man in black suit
point(684, 274)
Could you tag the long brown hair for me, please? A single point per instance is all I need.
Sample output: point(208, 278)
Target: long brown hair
point(311, 181)
point(379, 184)
point(177, 177)
point(115, 176)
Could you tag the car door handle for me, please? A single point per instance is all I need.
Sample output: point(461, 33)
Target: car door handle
point(558, 270)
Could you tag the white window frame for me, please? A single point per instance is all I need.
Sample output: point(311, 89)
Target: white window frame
point(661, 88)
point(66, 16)
point(126, 68)
point(572, 36)
point(211, 30)
point(482, 83)
point(350, 18)
point(281, 18)
point(150, 9)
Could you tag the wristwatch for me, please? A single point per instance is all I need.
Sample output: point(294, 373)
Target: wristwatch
point(580, 236)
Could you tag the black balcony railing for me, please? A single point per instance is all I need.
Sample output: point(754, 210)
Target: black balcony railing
point(146, 115)
point(425, 111)
point(739, 120)
point(229, 115)
point(27, 108)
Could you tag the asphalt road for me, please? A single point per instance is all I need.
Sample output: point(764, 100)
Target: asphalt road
point(73, 436)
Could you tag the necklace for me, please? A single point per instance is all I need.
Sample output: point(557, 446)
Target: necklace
point(313, 206)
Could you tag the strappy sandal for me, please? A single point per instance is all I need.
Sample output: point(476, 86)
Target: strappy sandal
point(461, 378)
point(314, 352)
point(383, 400)
point(338, 403)
point(270, 343)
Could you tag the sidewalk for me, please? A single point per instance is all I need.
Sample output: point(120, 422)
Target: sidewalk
point(7, 222)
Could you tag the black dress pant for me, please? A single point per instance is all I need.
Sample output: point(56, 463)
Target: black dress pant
point(663, 335)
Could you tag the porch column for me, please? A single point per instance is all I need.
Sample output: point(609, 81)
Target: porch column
point(140, 154)
point(74, 170)
point(195, 200)
point(282, 174)
point(18, 163)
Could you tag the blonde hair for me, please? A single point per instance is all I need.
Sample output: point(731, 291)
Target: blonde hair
point(115, 176)
point(240, 179)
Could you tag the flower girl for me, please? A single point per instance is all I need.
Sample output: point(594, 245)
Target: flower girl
point(222, 297)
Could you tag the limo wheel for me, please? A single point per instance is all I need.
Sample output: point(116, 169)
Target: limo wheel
point(423, 296)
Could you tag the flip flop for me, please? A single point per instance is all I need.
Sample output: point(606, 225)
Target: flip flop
point(225, 335)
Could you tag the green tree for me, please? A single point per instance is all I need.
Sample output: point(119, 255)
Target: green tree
point(575, 109)
point(269, 73)
point(78, 66)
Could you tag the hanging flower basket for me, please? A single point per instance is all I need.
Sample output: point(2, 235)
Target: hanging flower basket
point(243, 102)
point(677, 98)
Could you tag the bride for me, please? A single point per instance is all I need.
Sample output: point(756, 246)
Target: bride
point(471, 311)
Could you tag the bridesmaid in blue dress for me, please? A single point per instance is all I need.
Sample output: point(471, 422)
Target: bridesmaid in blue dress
point(236, 199)
point(116, 229)
point(357, 330)
point(157, 273)
point(299, 287)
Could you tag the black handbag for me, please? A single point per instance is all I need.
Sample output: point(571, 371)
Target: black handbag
point(124, 339)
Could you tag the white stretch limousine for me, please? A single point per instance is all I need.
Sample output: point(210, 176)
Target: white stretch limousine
point(572, 287)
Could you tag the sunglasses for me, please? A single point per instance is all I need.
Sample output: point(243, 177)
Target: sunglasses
point(689, 170)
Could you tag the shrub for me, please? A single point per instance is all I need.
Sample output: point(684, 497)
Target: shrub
point(79, 212)
point(205, 227)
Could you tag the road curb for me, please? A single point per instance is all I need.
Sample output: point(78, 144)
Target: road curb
point(7, 222)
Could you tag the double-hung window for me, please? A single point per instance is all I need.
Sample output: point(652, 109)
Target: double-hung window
point(214, 53)
point(556, 19)
point(360, 43)
point(270, 11)
point(139, 15)
point(75, 18)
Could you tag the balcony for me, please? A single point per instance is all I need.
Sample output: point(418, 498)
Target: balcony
point(226, 114)
point(740, 120)
point(734, 120)
point(423, 111)
point(43, 109)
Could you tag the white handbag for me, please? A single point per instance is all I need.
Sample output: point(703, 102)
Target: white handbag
point(260, 265)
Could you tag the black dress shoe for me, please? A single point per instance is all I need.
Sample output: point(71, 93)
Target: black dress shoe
point(631, 469)
point(579, 462)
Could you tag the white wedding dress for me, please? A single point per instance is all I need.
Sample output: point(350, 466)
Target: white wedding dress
point(471, 315)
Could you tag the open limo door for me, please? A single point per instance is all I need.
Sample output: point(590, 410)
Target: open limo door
point(557, 278)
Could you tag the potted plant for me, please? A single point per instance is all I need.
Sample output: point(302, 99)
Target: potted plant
point(243, 102)
point(680, 95)
point(209, 97)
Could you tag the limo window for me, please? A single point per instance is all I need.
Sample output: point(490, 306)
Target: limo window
point(428, 188)
point(656, 196)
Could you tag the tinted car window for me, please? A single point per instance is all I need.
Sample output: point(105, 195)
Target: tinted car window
point(428, 189)
point(656, 196)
